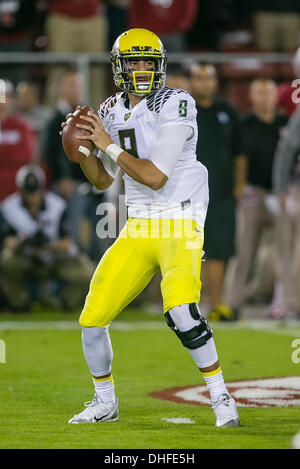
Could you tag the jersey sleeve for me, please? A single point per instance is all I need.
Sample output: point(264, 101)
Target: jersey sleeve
point(168, 146)
point(179, 109)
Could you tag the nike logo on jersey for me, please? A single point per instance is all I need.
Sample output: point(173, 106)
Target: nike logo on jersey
point(185, 204)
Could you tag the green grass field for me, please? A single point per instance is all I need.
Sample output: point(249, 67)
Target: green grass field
point(45, 380)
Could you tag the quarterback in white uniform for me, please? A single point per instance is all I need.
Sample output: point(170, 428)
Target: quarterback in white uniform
point(149, 131)
point(163, 128)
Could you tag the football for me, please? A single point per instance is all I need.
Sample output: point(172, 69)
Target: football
point(76, 150)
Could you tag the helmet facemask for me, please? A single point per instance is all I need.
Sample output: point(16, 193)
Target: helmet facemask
point(128, 78)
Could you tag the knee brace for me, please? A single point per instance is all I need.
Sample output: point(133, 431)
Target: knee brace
point(189, 325)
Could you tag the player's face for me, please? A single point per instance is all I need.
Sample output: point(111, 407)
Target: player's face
point(263, 95)
point(140, 66)
point(203, 81)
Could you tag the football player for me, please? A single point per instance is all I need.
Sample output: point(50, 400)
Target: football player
point(150, 132)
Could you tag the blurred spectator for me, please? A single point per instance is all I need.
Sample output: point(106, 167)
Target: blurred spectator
point(28, 106)
point(276, 24)
point(177, 77)
point(37, 244)
point(16, 17)
point(169, 19)
point(219, 149)
point(17, 144)
point(263, 286)
point(78, 26)
point(286, 101)
point(261, 130)
point(286, 183)
point(66, 177)
point(63, 173)
point(117, 15)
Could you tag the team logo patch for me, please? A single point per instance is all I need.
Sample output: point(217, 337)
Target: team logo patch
point(127, 116)
point(267, 392)
point(182, 111)
point(111, 119)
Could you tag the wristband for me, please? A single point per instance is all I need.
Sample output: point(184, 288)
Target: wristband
point(113, 151)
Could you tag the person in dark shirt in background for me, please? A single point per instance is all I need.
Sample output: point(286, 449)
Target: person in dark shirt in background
point(219, 149)
point(261, 130)
point(116, 13)
point(63, 173)
point(67, 179)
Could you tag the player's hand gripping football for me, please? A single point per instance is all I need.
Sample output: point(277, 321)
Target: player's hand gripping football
point(98, 136)
point(93, 123)
point(63, 124)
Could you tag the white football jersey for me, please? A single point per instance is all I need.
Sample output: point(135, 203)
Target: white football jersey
point(185, 194)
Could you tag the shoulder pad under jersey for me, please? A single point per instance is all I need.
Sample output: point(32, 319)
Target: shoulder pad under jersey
point(156, 100)
point(108, 104)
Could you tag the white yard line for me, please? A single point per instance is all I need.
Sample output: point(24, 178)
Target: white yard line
point(290, 328)
point(177, 420)
point(74, 325)
point(38, 325)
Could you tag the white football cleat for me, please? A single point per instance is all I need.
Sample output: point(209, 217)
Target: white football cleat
point(97, 411)
point(226, 412)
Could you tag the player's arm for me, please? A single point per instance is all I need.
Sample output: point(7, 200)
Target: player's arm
point(141, 170)
point(96, 173)
point(153, 173)
point(164, 155)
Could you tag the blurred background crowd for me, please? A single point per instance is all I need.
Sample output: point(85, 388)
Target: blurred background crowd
point(249, 139)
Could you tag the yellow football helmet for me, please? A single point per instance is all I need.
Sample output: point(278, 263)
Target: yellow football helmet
point(138, 44)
